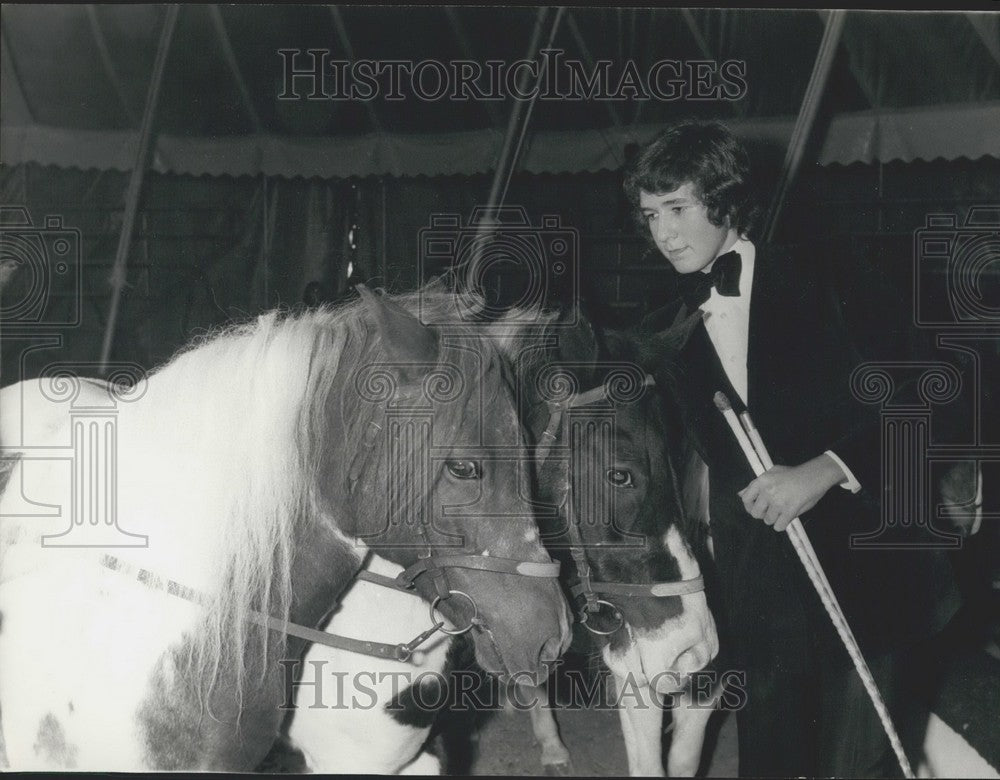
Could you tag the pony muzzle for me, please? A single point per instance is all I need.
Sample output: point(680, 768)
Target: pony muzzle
point(527, 642)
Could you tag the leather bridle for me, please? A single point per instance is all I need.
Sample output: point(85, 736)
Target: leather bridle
point(585, 586)
point(404, 581)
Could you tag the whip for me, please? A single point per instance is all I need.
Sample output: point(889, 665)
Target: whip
point(757, 456)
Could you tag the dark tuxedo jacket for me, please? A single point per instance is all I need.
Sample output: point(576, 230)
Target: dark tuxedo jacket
point(799, 364)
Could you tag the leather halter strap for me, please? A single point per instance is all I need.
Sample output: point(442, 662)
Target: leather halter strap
point(398, 652)
point(586, 587)
point(403, 582)
point(556, 409)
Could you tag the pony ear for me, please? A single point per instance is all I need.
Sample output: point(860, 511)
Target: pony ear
point(405, 338)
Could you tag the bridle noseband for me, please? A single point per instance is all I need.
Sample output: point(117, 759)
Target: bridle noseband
point(586, 587)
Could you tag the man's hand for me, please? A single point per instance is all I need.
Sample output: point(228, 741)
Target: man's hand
point(782, 493)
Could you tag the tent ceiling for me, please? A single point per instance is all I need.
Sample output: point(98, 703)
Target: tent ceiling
point(74, 81)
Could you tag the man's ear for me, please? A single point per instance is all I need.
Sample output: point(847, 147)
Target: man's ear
point(405, 339)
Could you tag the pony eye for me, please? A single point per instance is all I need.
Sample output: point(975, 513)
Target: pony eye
point(620, 478)
point(465, 469)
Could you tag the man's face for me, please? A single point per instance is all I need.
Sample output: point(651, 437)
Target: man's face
point(678, 222)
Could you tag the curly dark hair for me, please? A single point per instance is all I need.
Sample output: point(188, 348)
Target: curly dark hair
point(708, 155)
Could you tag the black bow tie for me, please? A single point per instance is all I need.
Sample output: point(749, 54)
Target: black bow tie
point(695, 288)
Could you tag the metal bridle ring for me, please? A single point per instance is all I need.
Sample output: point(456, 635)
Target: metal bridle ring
point(472, 621)
point(617, 612)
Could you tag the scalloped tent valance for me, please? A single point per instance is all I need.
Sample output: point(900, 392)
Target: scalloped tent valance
point(947, 132)
point(74, 81)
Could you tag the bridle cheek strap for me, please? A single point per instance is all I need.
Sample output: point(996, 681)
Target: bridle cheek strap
point(556, 408)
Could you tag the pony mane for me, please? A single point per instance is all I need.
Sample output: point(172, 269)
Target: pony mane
point(267, 440)
point(257, 440)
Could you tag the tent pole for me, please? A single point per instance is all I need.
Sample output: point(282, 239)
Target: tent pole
point(699, 39)
point(385, 235)
point(517, 128)
point(16, 82)
point(265, 239)
point(234, 67)
point(463, 41)
point(109, 70)
point(520, 117)
point(987, 35)
point(588, 58)
point(135, 183)
point(807, 116)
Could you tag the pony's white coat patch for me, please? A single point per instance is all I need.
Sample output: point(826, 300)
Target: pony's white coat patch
point(655, 662)
point(948, 754)
point(681, 645)
point(351, 736)
point(677, 547)
point(179, 466)
point(85, 605)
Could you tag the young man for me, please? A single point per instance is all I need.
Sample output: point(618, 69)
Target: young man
point(771, 340)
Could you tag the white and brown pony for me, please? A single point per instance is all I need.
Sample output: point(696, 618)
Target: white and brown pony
point(627, 534)
point(165, 548)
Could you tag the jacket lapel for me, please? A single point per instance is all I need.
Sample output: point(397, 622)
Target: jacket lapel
point(765, 315)
point(759, 307)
